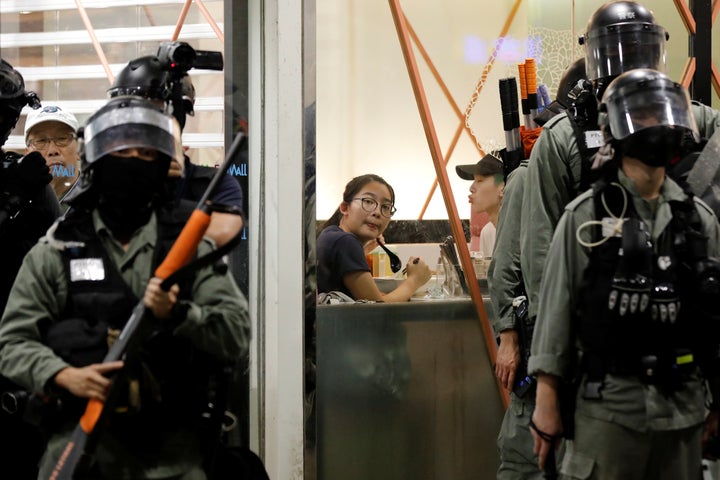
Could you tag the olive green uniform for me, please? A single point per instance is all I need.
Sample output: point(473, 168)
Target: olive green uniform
point(217, 322)
point(515, 442)
point(553, 179)
point(504, 273)
point(632, 418)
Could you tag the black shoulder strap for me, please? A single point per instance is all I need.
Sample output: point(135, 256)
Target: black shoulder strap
point(689, 240)
point(586, 153)
point(171, 219)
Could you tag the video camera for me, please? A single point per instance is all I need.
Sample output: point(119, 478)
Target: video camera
point(179, 57)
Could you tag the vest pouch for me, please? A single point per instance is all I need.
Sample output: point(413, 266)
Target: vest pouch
point(665, 305)
point(77, 341)
point(631, 286)
point(629, 296)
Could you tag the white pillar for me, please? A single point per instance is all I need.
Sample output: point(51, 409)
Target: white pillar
point(276, 234)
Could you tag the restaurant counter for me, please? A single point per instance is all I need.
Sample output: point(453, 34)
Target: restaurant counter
point(405, 391)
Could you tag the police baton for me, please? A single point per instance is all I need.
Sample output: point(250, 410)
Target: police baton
point(175, 265)
point(550, 471)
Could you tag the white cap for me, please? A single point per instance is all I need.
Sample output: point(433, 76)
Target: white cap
point(49, 113)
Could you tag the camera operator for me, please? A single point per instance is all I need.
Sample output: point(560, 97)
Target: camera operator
point(28, 206)
point(163, 79)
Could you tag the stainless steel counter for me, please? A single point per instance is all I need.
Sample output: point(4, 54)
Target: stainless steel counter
point(405, 391)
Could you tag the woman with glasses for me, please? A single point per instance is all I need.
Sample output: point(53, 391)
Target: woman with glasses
point(363, 215)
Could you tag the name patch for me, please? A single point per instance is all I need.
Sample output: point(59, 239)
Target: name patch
point(594, 139)
point(86, 269)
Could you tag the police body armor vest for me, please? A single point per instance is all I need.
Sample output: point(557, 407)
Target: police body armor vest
point(638, 308)
point(172, 378)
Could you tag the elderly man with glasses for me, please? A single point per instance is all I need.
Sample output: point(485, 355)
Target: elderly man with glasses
point(52, 131)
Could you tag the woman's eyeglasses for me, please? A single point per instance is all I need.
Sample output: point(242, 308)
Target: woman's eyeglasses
point(44, 142)
point(370, 204)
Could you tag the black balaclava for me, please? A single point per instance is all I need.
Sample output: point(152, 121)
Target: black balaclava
point(127, 188)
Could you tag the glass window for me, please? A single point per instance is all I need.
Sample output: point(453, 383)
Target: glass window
point(55, 54)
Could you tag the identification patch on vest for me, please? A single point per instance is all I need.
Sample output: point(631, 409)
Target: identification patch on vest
point(593, 139)
point(86, 269)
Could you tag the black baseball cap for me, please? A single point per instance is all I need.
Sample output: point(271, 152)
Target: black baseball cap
point(488, 166)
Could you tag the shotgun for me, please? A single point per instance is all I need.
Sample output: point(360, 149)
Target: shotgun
point(174, 265)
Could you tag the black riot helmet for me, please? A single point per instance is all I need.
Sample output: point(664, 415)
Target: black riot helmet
point(13, 98)
point(144, 77)
point(125, 122)
point(644, 98)
point(573, 74)
point(646, 115)
point(148, 77)
point(621, 36)
point(570, 88)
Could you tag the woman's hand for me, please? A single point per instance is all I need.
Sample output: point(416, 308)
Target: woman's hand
point(418, 271)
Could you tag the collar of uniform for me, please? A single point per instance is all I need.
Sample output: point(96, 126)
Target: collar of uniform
point(668, 191)
point(147, 234)
point(656, 214)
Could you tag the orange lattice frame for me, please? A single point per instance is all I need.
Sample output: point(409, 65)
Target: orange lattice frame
point(181, 20)
point(689, 22)
point(404, 35)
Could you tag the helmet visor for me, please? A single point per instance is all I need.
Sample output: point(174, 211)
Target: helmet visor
point(638, 106)
point(132, 127)
point(610, 51)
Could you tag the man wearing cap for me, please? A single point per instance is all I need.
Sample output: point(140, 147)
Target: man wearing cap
point(486, 194)
point(52, 131)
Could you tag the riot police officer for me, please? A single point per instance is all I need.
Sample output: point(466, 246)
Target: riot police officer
point(512, 326)
point(626, 305)
point(620, 36)
point(77, 288)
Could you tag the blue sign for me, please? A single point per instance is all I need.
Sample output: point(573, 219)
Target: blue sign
point(63, 171)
